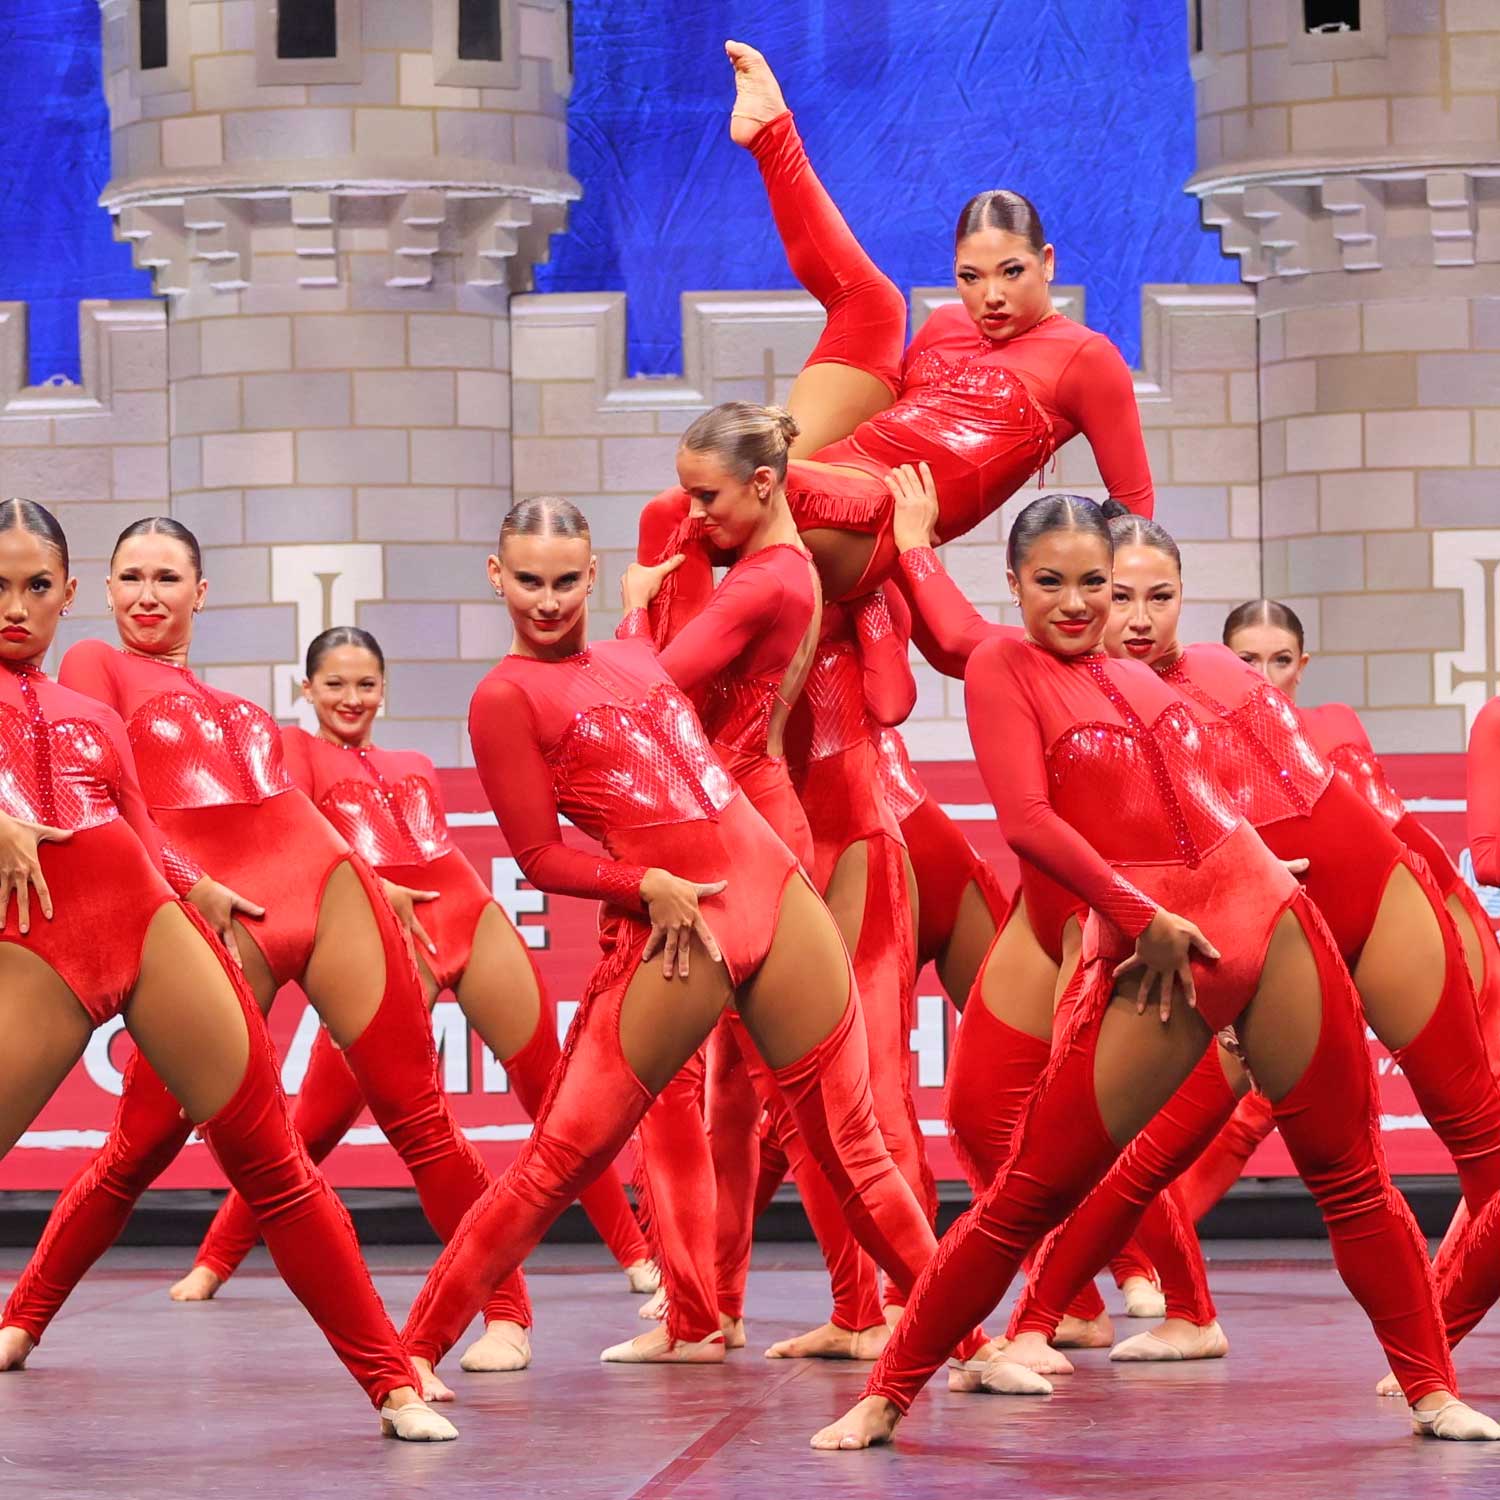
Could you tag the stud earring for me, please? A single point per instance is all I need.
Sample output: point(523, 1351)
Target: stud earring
point(65, 609)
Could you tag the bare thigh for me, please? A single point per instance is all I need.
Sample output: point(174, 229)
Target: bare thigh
point(848, 890)
point(253, 964)
point(186, 1018)
point(1279, 1029)
point(1018, 980)
point(801, 991)
point(664, 1021)
point(1473, 952)
point(1139, 1063)
point(498, 990)
point(345, 977)
point(963, 953)
point(45, 1031)
point(1400, 971)
point(829, 401)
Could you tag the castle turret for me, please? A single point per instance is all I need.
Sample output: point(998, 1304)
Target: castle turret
point(1349, 152)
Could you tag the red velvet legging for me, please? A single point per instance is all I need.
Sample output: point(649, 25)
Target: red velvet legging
point(1062, 1148)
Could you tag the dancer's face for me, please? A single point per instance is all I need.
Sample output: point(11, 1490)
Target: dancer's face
point(731, 508)
point(346, 693)
point(1005, 284)
point(34, 591)
point(1062, 585)
point(545, 581)
point(1274, 653)
point(154, 591)
point(1146, 605)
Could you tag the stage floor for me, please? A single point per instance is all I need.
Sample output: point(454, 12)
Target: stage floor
point(133, 1396)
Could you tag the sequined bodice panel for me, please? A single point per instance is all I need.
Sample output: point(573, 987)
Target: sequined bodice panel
point(904, 793)
point(737, 711)
point(63, 772)
point(387, 821)
point(1262, 754)
point(1359, 766)
point(835, 699)
point(197, 749)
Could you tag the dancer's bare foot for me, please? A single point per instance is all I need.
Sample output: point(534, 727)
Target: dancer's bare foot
point(15, 1345)
point(757, 95)
point(871, 1421)
point(1390, 1386)
point(1442, 1415)
point(655, 1307)
point(1033, 1351)
point(1078, 1333)
point(733, 1330)
point(832, 1342)
point(658, 1348)
point(501, 1348)
point(1143, 1298)
point(433, 1388)
point(996, 1376)
point(1175, 1338)
point(199, 1285)
point(643, 1277)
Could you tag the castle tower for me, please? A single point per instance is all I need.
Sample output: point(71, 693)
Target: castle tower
point(1349, 154)
point(337, 197)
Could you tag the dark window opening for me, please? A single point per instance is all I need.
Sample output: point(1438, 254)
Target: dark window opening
point(1330, 15)
point(307, 28)
point(153, 34)
point(569, 9)
point(479, 30)
point(1197, 39)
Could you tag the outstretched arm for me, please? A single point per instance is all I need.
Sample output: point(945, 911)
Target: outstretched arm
point(1097, 394)
point(882, 624)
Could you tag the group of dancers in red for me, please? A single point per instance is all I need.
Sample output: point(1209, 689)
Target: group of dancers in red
point(1218, 893)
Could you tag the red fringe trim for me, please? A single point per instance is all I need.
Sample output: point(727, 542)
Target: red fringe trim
point(867, 513)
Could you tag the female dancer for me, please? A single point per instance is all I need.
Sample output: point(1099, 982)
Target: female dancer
point(695, 880)
point(985, 394)
point(1383, 908)
point(1096, 766)
point(213, 774)
point(387, 805)
point(1269, 636)
point(120, 944)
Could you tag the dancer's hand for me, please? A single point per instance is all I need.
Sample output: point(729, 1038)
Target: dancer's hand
point(1298, 867)
point(672, 905)
point(1163, 954)
point(640, 584)
point(404, 903)
point(916, 515)
point(21, 869)
point(218, 906)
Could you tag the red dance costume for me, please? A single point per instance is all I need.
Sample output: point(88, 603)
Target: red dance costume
point(67, 763)
point(386, 804)
point(1268, 764)
point(606, 737)
point(1099, 770)
point(213, 774)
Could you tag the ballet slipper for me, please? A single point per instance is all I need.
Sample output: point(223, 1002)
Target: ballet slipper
point(656, 1307)
point(865, 1424)
point(995, 1376)
point(757, 95)
point(15, 1348)
point(199, 1285)
point(1080, 1333)
point(643, 1277)
point(733, 1330)
point(1174, 1339)
point(832, 1342)
point(656, 1348)
point(433, 1387)
point(1457, 1422)
point(1389, 1386)
point(416, 1422)
point(501, 1348)
point(1033, 1351)
point(1143, 1298)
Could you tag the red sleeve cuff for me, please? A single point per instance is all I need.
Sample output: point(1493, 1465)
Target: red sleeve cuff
point(921, 563)
point(182, 874)
point(620, 885)
point(635, 625)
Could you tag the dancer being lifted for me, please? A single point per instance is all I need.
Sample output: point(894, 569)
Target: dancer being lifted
point(111, 940)
point(213, 774)
point(1098, 768)
point(387, 806)
point(705, 907)
point(988, 390)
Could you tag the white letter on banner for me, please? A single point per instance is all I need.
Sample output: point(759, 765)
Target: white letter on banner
point(450, 1034)
point(96, 1057)
point(505, 884)
point(492, 1073)
point(929, 1040)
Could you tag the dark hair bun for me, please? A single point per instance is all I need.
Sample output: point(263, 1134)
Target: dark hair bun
point(1113, 510)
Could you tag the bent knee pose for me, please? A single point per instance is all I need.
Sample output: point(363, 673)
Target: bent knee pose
point(1098, 767)
point(214, 776)
point(386, 804)
point(1385, 911)
point(118, 943)
point(987, 391)
point(706, 907)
